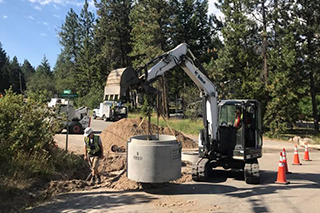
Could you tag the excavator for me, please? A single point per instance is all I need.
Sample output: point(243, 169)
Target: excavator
point(232, 134)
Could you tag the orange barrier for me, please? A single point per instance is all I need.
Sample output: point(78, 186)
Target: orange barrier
point(306, 153)
point(296, 160)
point(281, 178)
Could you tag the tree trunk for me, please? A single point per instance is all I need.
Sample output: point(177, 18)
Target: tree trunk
point(264, 44)
point(162, 103)
point(311, 66)
point(314, 104)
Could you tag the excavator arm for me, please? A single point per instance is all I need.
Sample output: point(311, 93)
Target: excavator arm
point(183, 57)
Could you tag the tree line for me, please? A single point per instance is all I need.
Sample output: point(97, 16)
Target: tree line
point(262, 49)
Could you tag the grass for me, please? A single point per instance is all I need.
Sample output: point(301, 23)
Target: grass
point(187, 126)
point(193, 127)
point(299, 131)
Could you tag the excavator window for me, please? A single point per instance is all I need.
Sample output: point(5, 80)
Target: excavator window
point(230, 116)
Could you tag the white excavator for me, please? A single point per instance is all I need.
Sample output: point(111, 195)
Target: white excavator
point(232, 134)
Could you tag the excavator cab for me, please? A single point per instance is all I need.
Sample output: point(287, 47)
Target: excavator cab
point(240, 129)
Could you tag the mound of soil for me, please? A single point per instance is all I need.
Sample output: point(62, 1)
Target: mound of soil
point(113, 167)
point(119, 133)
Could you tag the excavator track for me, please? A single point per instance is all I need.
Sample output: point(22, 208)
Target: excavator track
point(251, 172)
point(200, 170)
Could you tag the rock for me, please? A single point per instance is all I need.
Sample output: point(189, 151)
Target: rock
point(296, 139)
point(308, 140)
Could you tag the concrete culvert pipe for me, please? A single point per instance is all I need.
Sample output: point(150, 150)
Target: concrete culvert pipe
point(153, 161)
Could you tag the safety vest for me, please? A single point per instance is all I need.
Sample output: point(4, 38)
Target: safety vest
point(238, 120)
point(93, 148)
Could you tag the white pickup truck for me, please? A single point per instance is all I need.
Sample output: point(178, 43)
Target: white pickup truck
point(110, 111)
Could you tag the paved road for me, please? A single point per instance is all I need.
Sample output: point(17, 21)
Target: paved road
point(75, 141)
point(225, 192)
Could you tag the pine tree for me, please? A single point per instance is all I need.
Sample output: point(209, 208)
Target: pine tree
point(112, 33)
point(16, 77)
point(191, 24)
point(239, 63)
point(42, 82)
point(27, 70)
point(4, 66)
point(64, 75)
point(69, 36)
point(44, 68)
point(67, 66)
point(86, 74)
point(308, 14)
point(150, 21)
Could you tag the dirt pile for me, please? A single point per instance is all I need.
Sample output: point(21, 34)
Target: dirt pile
point(112, 167)
point(119, 133)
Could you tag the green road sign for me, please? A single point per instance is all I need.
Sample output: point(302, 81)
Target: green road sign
point(68, 95)
point(67, 91)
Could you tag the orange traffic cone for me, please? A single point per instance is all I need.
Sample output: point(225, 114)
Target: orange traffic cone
point(284, 157)
point(306, 153)
point(282, 179)
point(296, 160)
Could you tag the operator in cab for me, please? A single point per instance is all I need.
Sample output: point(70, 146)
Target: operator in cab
point(94, 149)
point(238, 118)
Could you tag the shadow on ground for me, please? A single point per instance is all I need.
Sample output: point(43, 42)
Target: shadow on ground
point(89, 201)
point(267, 185)
point(216, 185)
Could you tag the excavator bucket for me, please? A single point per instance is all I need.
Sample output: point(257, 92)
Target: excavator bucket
point(128, 78)
point(118, 83)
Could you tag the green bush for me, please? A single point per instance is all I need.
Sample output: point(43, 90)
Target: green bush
point(92, 99)
point(26, 140)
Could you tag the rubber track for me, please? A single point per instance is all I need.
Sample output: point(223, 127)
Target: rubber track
point(252, 173)
point(200, 170)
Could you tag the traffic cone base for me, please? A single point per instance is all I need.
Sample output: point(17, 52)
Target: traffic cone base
point(284, 183)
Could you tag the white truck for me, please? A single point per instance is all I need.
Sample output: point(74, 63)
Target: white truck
point(110, 111)
point(78, 119)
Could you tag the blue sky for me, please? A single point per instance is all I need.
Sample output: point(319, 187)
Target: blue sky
point(28, 28)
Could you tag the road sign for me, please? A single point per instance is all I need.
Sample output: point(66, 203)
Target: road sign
point(68, 95)
point(67, 91)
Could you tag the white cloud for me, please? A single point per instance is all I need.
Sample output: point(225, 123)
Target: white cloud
point(45, 2)
point(214, 10)
point(4, 17)
point(43, 34)
point(45, 23)
point(59, 2)
point(56, 7)
point(38, 8)
point(30, 17)
point(57, 16)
